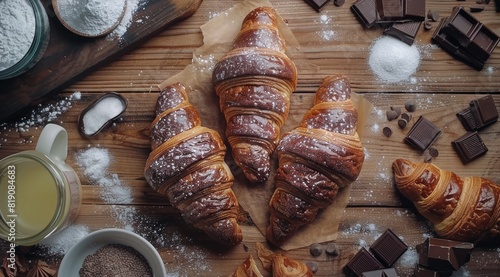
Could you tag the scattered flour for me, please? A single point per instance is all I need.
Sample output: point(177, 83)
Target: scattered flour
point(60, 243)
point(392, 60)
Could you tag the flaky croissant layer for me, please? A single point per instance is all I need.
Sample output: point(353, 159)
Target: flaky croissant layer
point(254, 81)
point(187, 165)
point(461, 208)
point(316, 159)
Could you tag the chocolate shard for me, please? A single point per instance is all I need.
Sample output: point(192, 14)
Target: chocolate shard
point(405, 31)
point(386, 272)
point(484, 111)
point(414, 9)
point(365, 11)
point(316, 4)
point(388, 248)
point(427, 272)
point(469, 147)
point(422, 134)
point(363, 261)
point(444, 255)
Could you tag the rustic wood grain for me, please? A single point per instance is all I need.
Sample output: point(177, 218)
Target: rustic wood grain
point(442, 87)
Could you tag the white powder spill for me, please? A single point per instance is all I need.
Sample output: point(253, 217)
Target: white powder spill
point(392, 60)
point(60, 243)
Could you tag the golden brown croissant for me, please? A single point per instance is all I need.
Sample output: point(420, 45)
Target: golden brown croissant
point(462, 209)
point(254, 81)
point(247, 269)
point(187, 165)
point(316, 159)
point(281, 265)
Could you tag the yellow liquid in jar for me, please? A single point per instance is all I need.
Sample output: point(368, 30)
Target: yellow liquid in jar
point(35, 194)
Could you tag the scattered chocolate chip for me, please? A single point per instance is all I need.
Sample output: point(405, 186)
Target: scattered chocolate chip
point(406, 116)
point(387, 131)
point(433, 152)
point(391, 115)
point(476, 9)
point(316, 249)
point(402, 123)
point(428, 25)
point(313, 266)
point(332, 249)
point(338, 3)
point(397, 110)
point(245, 247)
point(433, 15)
point(410, 105)
point(427, 157)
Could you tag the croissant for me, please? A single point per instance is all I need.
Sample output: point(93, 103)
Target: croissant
point(316, 159)
point(460, 208)
point(187, 165)
point(247, 269)
point(280, 265)
point(254, 81)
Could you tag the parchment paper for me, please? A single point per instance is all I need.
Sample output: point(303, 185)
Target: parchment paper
point(218, 35)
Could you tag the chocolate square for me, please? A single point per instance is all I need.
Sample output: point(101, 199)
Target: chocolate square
point(483, 43)
point(427, 272)
point(365, 11)
point(462, 25)
point(422, 134)
point(415, 9)
point(389, 10)
point(316, 4)
point(444, 255)
point(467, 119)
point(405, 31)
point(388, 248)
point(469, 147)
point(386, 272)
point(363, 261)
point(484, 111)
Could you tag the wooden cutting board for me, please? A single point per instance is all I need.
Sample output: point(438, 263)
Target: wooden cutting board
point(69, 57)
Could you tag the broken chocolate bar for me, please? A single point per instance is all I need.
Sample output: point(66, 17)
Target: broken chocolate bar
point(386, 272)
point(400, 10)
point(363, 261)
point(481, 113)
point(422, 134)
point(469, 147)
point(388, 248)
point(405, 31)
point(316, 4)
point(365, 11)
point(444, 255)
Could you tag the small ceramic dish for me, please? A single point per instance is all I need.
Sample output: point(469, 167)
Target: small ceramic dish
point(65, 12)
point(101, 113)
point(74, 258)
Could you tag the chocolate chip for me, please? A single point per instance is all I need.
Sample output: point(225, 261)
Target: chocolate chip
point(316, 249)
point(332, 249)
point(245, 247)
point(428, 25)
point(313, 266)
point(402, 123)
point(433, 15)
point(410, 105)
point(427, 157)
point(338, 3)
point(391, 115)
point(397, 110)
point(406, 116)
point(433, 152)
point(387, 131)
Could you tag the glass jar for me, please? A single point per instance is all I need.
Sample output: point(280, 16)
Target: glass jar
point(38, 45)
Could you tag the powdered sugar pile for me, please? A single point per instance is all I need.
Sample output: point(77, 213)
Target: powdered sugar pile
point(121, 29)
point(95, 162)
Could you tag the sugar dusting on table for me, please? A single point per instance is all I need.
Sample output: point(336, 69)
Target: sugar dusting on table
point(61, 242)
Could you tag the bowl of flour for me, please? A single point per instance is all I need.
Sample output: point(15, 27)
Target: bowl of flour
point(24, 36)
point(90, 18)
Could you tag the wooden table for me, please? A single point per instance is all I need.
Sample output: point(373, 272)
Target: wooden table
point(333, 42)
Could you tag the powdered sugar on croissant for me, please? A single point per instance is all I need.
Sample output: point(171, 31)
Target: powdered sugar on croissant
point(316, 159)
point(254, 81)
point(187, 165)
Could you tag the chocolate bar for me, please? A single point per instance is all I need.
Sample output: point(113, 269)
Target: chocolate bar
point(363, 261)
point(422, 134)
point(444, 255)
point(400, 10)
point(427, 272)
point(466, 38)
point(316, 4)
point(386, 272)
point(365, 11)
point(469, 147)
point(406, 31)
point(388, 248)
point(481, 113)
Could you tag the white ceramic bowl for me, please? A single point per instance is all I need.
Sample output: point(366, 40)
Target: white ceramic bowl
point(73, 260)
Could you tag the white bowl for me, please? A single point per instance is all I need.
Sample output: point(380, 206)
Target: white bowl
point(73, 260)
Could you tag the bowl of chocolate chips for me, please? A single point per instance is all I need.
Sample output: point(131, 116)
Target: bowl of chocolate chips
point(112, 252)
